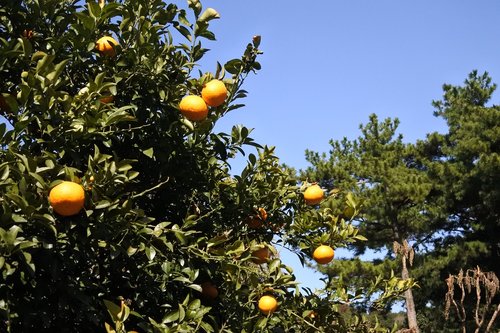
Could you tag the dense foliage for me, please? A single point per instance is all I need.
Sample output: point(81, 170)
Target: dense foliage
point(163, 243)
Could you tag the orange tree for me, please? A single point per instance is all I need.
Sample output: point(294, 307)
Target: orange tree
point(91, 94)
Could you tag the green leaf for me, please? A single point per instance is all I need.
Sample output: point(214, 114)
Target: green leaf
point(38, 55)
point(117, 313)
point(171, 317)
point(5, 172)
point(43, 63)
point(54, 75)
point(208, 14)
point(261, 323)
point(237, 247)
point(18, 200)
point(273, 265)
point(94, 9)
point(99, 78)
point(187, 123)
point(117, 116)
point(361, 238)
point(196, 6)
point(184, 31)
point(102, 204)
point(27, 48)
point(87, 21)
point(149, 152)
point(150, 252)
point(182, 313)
point(233, 66)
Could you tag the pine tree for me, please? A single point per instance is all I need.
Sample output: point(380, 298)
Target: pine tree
point(464, 165)
point(379, 168)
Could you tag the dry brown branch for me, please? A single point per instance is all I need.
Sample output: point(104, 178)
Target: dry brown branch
point(486, 285)
point(493, 317)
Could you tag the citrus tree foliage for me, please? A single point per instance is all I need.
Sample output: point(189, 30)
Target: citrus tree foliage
point(163, 216)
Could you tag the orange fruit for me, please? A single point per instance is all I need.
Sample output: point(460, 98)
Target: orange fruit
point(193, 108)
point(261, 255)
point(262, 214)
point(67, 198)
point(107, 99)
point(209, 290)
point(313, 195)
point(323, 254)
point(214, 93)
point(268, 304)
point(256, 221)
point(106, 45)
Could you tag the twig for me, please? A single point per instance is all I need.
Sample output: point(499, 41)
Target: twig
point(305, 321)
point(492, 320)
point(150, 189)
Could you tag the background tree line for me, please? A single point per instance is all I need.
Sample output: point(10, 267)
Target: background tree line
point(434, 203)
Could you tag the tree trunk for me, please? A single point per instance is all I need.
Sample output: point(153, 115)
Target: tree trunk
point(411, 313)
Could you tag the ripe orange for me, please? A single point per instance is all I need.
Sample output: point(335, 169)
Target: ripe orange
point(313, 195)
point(106, 45)
point(107, 99)
point(193, 108)
point(262, 214)
point(323, 254)
point(268, 304)
point(67, 198)
point(256, 221)
point(209, 290)
point(214, 93)
point(261, 255)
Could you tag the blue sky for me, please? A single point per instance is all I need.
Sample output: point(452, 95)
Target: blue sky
point(327, 65)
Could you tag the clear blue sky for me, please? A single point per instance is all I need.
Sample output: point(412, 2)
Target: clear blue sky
point(327, 65)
